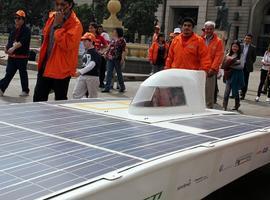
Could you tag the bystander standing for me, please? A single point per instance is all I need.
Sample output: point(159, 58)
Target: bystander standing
point(248, 59)
point(264, 75)
point(188, 50)
point(59, 52)
point(17, 50)
point(233, 74)
point(88, 75)
point(101, 46)
point(216, 51)
point(115, 59)
point(158, 53)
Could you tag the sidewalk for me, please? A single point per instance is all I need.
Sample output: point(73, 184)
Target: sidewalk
point(33, 66)
point(14, 89)
point(248, 106)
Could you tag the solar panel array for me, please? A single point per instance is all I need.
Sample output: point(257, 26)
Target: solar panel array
point(226, 125)
point(45, 148)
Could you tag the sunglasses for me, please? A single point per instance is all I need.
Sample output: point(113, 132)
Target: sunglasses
point(17, 18)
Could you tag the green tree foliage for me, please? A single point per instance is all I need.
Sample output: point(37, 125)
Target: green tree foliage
point(100, 10)
point(85, 14)
point(139, 15)
point(35, 10)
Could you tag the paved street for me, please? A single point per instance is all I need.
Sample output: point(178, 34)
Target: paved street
point(254, 186)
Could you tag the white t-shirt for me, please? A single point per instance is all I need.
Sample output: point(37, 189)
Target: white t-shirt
point(266, 59)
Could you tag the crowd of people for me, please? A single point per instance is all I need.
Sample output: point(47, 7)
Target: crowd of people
point(58, 57)
point(184, 49)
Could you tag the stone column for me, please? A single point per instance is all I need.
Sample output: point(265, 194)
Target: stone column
point(114, 6)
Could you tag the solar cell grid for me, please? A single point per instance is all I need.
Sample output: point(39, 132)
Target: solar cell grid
point(39, 165)
point(205, 123)
point(45, 148)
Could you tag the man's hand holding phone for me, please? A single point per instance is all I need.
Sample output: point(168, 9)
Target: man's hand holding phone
point(59, 18)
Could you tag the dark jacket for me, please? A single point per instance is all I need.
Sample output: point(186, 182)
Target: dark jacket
point(251, 57)
point(92, 55)
point(24, 37)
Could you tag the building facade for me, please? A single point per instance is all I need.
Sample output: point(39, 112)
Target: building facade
point(244, 16)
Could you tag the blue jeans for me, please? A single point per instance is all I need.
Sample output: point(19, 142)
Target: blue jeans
point(14, 64)
point(111, 65)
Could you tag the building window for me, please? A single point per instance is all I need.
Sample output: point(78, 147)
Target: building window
point(266, 29)
point(236, 33)
point(239, 2)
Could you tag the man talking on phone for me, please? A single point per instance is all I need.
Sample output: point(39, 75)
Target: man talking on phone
point(59, 52)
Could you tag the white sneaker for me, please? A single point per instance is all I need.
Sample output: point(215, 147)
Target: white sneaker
point(267, 100)
point(257, 99)
point(1, 93)
point(24, 94)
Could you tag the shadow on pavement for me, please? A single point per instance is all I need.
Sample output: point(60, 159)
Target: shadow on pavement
point(9, 99)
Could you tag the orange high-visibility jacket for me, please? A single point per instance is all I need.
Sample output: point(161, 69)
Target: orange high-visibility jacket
point(153, 52)
point(194, 55)
point(216, 51)
point(63, 60)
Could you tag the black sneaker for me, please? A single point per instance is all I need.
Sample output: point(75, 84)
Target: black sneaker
point(122, 90)
point(105, 91)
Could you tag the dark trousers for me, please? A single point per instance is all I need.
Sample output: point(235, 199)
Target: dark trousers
point(227, 95)
point(111, 65)
point(157, 67)
point(14, 64)
point(102, 71)
point(44, 86)
point(264, 76)
point(246, 78)
point(216, 91)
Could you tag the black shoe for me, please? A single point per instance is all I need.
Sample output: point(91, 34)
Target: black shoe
point(225, 104)
point(236, 107)
point(231, 97)
point(122, 90)
point(242, 98)
point(105, 91)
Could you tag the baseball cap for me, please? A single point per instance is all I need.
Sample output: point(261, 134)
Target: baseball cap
point(89, 36)
point(177, 30)
point(21, 13)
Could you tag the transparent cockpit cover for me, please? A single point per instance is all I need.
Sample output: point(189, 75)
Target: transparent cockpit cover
point(159, 97)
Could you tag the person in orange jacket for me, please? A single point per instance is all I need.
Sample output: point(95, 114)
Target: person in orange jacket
point(188, 50)
point(216, 51)
point(158, 53)
point(156, 32)
point(59, 52)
